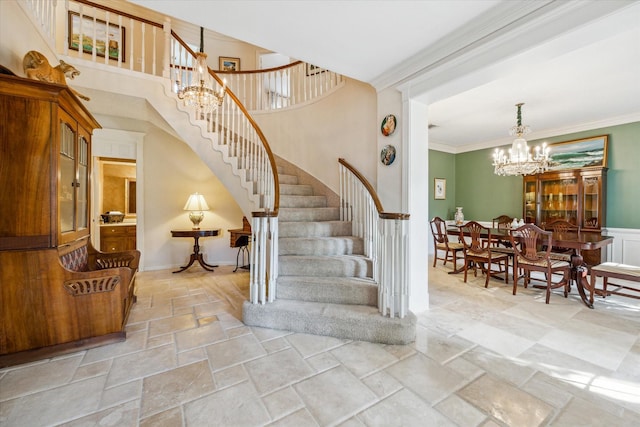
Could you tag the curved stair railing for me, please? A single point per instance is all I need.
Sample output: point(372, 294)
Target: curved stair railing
point(243, 145)
point(235, 133)
point(231, 128)
point(384, 235)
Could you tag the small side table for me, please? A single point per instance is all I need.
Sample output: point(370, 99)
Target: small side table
point(196, 255)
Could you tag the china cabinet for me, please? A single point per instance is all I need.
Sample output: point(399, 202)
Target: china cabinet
point(576, 195)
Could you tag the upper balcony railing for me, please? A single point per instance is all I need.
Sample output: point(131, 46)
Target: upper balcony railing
point(294, 84)
point(138, 44)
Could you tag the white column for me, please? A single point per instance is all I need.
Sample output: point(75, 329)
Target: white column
point(415, 199)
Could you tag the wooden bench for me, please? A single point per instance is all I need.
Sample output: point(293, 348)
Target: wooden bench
point(63, 299)
point(617, 271)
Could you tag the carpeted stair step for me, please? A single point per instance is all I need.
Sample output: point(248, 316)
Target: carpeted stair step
point(287, 179)
point(341, 245)
point(344, 321)
point(309, 214)
point(335, 290)
point(324, 266)
point(314, 229)
point(296, 190)
point(303, 202)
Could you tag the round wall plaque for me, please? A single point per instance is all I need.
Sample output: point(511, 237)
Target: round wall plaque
point(388, 154)
point(388, 125)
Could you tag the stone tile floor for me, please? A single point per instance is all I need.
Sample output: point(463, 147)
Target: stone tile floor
point(482, 357)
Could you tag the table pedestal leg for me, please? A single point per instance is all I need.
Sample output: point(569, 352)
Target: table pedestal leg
point(579, 273)
point(196, 256)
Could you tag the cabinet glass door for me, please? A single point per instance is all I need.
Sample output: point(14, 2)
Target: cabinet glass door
point(530, 211)
point(591, 204)
point(66, 191)
point(83, 183)
point(559, 200)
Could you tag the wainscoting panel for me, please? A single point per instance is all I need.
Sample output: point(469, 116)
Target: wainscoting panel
point(626, 246)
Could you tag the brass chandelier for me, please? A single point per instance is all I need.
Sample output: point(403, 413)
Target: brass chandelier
point(200, 93)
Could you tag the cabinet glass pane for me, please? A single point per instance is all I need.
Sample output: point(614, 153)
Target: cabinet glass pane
point(83, 190)
point(66, 192)
point(530, 202)
point(559, 200)
point(591, 203)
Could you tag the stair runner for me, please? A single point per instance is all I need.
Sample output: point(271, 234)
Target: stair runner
point(325, 284)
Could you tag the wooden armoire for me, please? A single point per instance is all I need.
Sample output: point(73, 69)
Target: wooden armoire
point(45, 153)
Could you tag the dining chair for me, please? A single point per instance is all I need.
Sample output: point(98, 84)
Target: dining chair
point(561, 226)
point(502, 222)
point(441, 243)
point(480, 253)
point(529, 258)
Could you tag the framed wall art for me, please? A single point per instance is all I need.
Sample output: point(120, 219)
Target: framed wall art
point(107, 40)
point(440, 188)
point(579, 153)
point(312, 70)
point(229, 64)
point(388, 125)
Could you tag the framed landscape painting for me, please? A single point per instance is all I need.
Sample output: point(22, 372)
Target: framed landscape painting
point(579, 153)
point(229, 64)
point(107, 40)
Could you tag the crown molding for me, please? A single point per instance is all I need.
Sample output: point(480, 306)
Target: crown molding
point(508, 29)
point(537, 136)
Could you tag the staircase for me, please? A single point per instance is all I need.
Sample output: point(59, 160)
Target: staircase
point(324, 284)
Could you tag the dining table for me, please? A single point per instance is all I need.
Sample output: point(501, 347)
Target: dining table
point(577, 240)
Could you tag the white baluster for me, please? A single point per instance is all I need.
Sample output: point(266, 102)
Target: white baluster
point(131, 38)
point(143, 61)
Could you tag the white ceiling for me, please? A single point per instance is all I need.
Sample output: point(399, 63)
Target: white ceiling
point(577, 68)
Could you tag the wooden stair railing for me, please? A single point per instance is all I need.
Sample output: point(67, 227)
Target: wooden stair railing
point(236, 131)
point(384, 235)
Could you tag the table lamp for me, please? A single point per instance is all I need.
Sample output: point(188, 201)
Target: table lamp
point(196, 204)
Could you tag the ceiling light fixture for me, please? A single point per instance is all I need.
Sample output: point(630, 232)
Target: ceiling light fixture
point(201, 94)
point(520, 161)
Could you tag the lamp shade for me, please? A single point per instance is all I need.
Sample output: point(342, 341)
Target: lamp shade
point(196, 202)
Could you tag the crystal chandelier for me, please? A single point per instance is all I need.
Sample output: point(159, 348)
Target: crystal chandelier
point(519, 161)
point(200, 93)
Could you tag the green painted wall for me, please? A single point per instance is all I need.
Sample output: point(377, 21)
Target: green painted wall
point(484, 195)
point(623, 176)
point(442, 165)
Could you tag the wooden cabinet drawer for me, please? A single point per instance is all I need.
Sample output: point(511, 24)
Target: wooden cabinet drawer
point(120, 230)
point(117, 238)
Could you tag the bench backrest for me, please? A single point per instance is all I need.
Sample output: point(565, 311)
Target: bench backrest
point(76, 260)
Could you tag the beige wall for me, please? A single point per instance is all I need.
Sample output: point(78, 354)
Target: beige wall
point(339, 125)
point(172, 171)
point(13, 43)
point(390, 176)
